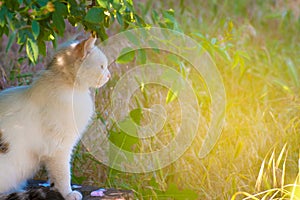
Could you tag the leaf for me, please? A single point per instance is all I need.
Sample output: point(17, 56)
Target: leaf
point(140, 21)
point(42, 47)
point(127, 55)
point(171, 96)
point(61, 8)
point(3, 13)
point(94, 16)
point(236, 61)
point(101, 32)
point(32, 50)
point(11, 39)
point(292, 71)
point(183, 70)
point(35, 26)
point(136, 115)
point(132, 38)
point(11, 5)
point(176, 193)
point(129, 5)
point(124, 141)
point(58, 22)
point(102, 3)
point(22, 35)
point(119, 18)
point(116, 5)
point(155, 16)
point(169, 14)
point(141, 56)
point(154, 46)
point(213, 41)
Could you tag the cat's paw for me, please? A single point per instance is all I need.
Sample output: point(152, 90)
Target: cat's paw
point(74, 195)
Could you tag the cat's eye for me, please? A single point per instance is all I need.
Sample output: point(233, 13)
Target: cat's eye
point(102, 67)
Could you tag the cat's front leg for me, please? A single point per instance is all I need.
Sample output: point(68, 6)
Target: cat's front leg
point(58, 167)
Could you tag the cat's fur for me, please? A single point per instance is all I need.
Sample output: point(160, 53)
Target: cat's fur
point(42, 193)
point(41, 123)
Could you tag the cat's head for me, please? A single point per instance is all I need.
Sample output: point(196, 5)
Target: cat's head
point(82, 64)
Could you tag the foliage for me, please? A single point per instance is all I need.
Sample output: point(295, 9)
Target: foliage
point(31, 23)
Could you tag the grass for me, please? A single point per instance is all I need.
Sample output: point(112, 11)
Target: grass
point(272, 175)
point(261, 78)
point(260, 70)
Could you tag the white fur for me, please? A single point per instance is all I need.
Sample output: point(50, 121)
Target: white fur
point(43, 122)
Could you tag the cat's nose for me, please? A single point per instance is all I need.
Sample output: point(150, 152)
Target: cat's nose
point(108, 75)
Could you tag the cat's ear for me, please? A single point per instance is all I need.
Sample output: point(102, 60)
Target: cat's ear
point(89, 44)
point(84, 47)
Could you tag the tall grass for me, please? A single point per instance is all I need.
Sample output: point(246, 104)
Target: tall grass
point(270, 183)
point(256, 49)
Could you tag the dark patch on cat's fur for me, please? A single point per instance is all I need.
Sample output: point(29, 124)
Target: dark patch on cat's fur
point(3, 145)
point(36, 194)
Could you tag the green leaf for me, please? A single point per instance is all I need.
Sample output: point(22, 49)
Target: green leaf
point(127, 55)
point(141, 56)
point(101, 32)
point(35, 26)
point(139, 20)
point(11, 39)
point(132, 38)
point(22, 35)
point(32, 50)
point(120, 19)
point(173, 191)
point(124, 141)
point(12, 4)
point(59, 23)
point(183, 70)
point(3, 13)
point(61, 8)
point(169, 15)
point(154, 46)
point(116, 5)
point(136, 115)
point(95, 16)
point(129, 5)
point(155, 16)
point(42, 47)
point(102, 3)
point(171, 96)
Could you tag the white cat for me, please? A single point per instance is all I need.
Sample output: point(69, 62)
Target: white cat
point(41, 123)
